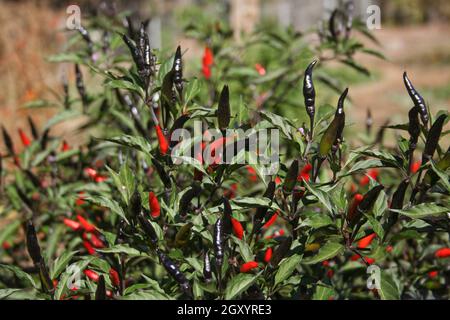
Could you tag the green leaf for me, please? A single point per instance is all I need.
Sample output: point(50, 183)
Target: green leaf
point(239, 284)
point(364, 165)
point(60, 117)
point(61, 263)
point(286, 268)
point(124, 84)
point(134, 142)
point(279, 122)
point(146, 295)
point(21, 275)
point(323, 292)
point(442, 175)
point(323, 197)
point(121, 248)
point(244, 249)
point(388, 288)
point(328, 251)
point(107, 203)
point(423, 210)
point(70, 274)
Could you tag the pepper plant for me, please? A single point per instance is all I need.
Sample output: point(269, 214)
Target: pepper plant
point(120, 217)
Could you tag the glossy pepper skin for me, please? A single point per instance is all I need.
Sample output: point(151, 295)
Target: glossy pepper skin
point(433, 138)
point(334, 131)
point(417, 99)
point(218, 243)
point(207, 272)
point(100, 292)
point(397, 203)
point(365, 205)
point(281, 252)
point(177, 69)
point(309, 93)
point(175, 272)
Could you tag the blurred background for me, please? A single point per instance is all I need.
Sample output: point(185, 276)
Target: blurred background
point(414, 36)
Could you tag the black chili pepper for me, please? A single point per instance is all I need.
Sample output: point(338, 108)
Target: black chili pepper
point(281, 251)
point(177, 124)
point(34, 131)
point(218, 243)
point(135, 115)
point(207, 273)
point(433, 138)
point(227, 225)
point(419, 102)
point(413, 127)
point(80, 86)
point(223, 109)
point(397, 203)
point(86, 37)
point(135, 53)
point(334, 131)
point(291, 177)
point(178, 71)
point(187, 197)
point(8, 142)
point(121, 236)
point(148, 228)
point(162, 173)
point(135, 206)
point(47, 283)
point(129, 25)
point(32, 243)
point(175, 272)
point(309, 93)
point(100, 292)
point(366, 204)
point(44, 139)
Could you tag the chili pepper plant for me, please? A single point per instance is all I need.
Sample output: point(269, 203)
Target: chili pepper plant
point(118, 216)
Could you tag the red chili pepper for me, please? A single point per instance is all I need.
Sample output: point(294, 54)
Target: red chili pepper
point(231, 192)
point(433, 274)
point(268, 255)
point(94, 240)
point(80, 200)
point(85, 224)
point(207, 62)
point(373, 173)
point(92, 173)
point(114, 276)
point(326, 263)
point(366, 241)
point(248, 266)
point(208, 57)
point(389, 249)
point(353, 188)
point(237, 228)
point(25, 140)
point(304, 173)
point(65, 146)
point(155, 209)
point(91, 275)
point(260, 69)
point(72, 224)
point(6, 245)
point(415, 166)
point(442, 253)
point(330, 273)
point(356, 201)
point(271, 221)
point(163, 145)
point(253, 177)
point(369, 260)
point(100, 178)
point(278, 180)
point(89, 248)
